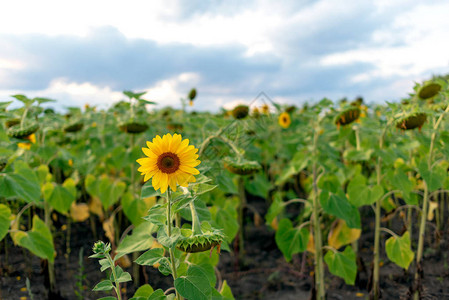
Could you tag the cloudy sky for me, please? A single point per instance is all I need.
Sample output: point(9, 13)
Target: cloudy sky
point(293, 50)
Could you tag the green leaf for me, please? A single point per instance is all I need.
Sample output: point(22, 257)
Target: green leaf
point(23, 184)
point(275, 208)
point(168, 241)
point(58, 197)
point(158, 295)
point(122, 276)
point(399, 250)
point(298, 163)
point(141, 239)
point(39, 240)
point(195, 285)
point(337, 205)
point(5, 213)
point(157, 214)
point(434, 178)
point(107, 190)
point(226, 291)
point(151, 257)
point(105, 285)
point(342, 264)
point(361, 194)
point(149, 191)
point(136, 208)
point(259, 185)
point(225, 219)
point(108, 298)
point(144, 291)
point(400, 181)
point(291, 240)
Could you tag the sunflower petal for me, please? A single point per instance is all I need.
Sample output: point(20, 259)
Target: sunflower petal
point(189, 170)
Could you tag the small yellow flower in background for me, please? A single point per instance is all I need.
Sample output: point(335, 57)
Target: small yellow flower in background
point(26, 146)
point(86, 106)
point(94, 124)
point(18, 277)
point(170, 161)
point(359, 294)
point(31, 138)
point(71, 162)
point(191, 102)
point(265, 109)
point(24, 289)
point(284, 120)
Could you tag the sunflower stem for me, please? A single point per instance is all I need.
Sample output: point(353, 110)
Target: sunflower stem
point(319, 267)
point(425, 207)
point(170, 250)
point(242, 204)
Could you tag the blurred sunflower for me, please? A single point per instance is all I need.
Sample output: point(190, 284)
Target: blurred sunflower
point(284, 120)
point(170, 161)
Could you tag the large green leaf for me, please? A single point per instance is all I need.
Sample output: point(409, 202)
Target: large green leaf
point(291, 240)
point(360, 194)
point(136, 208)
point(23, 184)
point(141, 239)
point(337, 205)
point(342, 264)
point(60, 197)
point(399, 250)
point(401, 181)
point(144, 291)
point(107, 190)
point(434, 177)
point(5, 213)
point(151, 257)
point(195, 285)
point(39, 240)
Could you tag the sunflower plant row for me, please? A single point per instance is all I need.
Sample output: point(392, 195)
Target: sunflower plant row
point(170, 189)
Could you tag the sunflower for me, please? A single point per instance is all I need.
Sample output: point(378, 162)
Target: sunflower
point(284, 120)
point(170, 161)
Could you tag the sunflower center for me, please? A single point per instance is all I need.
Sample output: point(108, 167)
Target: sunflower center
point(168, 162)
point(285, 119)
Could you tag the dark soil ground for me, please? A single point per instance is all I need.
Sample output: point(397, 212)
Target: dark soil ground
point(264, 274)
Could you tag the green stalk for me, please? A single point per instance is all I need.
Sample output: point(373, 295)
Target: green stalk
point(425, 207)
point(242, 204)
point(319, 267)
point(117, 284)
point(172, 255)
point(375, 289)
point(51, 266)
point(135, 271)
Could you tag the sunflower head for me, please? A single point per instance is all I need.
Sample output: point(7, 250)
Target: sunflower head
point(412, 121)
point(11, 122)
point(284, 120)
point(347, 116)
point(74, 126)
point(255, 113)
point(265, 109)
point(429, 90)
point(242, 167)
point(290, 109)
point(22, 132)
point(192, 94)
point(175, 126)
point(170, 161)
point(133, 127)
point(192, 243)
point(240, 111)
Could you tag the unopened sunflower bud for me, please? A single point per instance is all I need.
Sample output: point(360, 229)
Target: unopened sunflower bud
point(242, 167)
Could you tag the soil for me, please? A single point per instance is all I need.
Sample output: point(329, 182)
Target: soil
point(263, 274)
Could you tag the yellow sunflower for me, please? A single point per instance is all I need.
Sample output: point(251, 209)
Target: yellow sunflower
point(284, 120)
point(170, 161)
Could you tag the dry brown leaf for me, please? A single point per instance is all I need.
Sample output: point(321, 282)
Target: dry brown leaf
point(432, 206)
point(96, 207)
point(108, 227)
point(124, 261)
point(311, 244)
point(79, 212)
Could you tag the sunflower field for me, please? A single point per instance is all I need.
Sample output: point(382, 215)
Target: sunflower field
point(324, 201)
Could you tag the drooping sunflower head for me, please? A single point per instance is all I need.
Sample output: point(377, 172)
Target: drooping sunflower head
point(240, 111)
point(22, 132)
point(265, 109)
point(347, 116)
point(284, 120)
point(133, 127)
point(429, 90)
point(241, 167)
point(412, 121)
point(170, 161)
